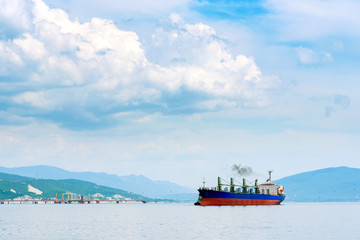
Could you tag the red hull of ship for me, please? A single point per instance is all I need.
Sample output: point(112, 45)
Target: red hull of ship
point(227, 201)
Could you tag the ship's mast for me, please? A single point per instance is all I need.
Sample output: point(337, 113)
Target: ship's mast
point(219, 184)
point(244, 186)
point(270, 171)
point(232, 186)
point(256, 187)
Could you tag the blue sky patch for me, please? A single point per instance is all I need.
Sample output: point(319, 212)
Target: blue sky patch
point(230, 10)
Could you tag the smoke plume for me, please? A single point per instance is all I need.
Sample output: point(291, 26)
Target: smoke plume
point(242, 170)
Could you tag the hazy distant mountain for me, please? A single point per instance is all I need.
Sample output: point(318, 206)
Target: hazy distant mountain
point(15, 186)
point(329, 184)
point(133, 183)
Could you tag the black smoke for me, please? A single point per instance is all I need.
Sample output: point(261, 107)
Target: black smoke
point(242, 170)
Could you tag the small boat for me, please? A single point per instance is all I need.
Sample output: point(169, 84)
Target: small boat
point(264, 194)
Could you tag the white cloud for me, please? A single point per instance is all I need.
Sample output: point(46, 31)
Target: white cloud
point(14, 17)
point(95, 64)
point(216, 104)
point(9, 59)
point(35, 99)
point(201, 62)
point(176, 18)
point(31, 47)
point(308, 56)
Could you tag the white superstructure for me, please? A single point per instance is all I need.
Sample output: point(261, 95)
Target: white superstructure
point(270, 189)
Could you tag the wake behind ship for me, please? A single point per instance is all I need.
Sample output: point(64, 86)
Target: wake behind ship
point(264, 194)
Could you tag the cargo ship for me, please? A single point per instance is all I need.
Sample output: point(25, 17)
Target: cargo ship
point(231, 194)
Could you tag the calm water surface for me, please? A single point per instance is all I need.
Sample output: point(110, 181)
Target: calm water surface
point(180, 221)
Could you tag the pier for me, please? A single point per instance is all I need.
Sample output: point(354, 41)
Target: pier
point(69, 200)
point(42, 201)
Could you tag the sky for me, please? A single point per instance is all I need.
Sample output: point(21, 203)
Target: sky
point(180, 90)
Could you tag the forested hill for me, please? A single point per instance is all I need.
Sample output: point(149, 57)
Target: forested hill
point(14, 186)
point(324, 185)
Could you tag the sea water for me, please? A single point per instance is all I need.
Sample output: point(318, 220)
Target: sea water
point(179, 221)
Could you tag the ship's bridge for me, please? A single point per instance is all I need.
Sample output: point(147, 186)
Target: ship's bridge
point(270, 189)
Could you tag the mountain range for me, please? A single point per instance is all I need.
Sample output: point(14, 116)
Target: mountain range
point(133, 183)
point(323, 185)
